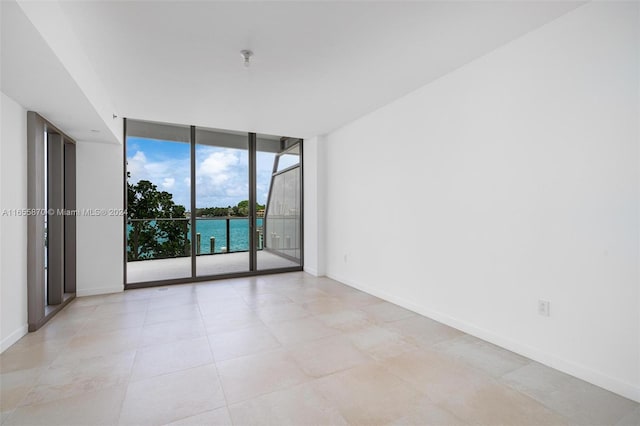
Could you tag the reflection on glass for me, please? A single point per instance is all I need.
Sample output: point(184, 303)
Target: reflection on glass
point(289, 159)
point(279, 242)
point(283, 215)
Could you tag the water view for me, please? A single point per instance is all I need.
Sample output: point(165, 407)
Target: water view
point(217, 228)
point(213, 233)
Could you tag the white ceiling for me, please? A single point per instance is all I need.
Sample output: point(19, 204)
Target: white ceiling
point(317, 65)
point(33, 75)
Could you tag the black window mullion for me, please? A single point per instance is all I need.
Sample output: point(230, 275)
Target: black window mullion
point(192, 215)
point(253, 245)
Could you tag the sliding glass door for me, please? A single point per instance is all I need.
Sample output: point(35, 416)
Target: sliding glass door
point(222, 202)
point(205, 203)
point(279, 220)
point(158, 202)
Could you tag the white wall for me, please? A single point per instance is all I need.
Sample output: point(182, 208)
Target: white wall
point(99, 238)
point(513, 179)
point(13, 229)
point(314, 200)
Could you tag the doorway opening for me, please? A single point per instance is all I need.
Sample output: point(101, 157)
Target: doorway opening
point(51, 223)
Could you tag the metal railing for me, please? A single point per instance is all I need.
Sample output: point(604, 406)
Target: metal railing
point(161, 238)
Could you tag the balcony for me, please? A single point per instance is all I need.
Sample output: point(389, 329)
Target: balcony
point(222, 247)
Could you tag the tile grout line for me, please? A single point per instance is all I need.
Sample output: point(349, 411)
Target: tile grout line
point(133, 364)
point(46, 367)
point(215, 365)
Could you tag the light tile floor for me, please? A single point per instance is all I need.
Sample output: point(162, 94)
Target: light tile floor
point(287, 349)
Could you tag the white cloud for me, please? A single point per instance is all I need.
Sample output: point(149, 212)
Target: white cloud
point(162, 172)
point(217, 166)
point(136, 164)
point(222, 176)
point(168, 183)
point(241, 190)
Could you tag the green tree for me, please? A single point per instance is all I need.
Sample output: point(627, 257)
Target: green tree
point(242, 209)
point(153, 238)
point(212, 212)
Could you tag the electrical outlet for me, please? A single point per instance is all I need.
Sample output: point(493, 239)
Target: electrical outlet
point(543, 308)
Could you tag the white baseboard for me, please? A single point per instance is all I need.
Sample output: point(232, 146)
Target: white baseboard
point(311, 271)
point(628, 390)
point(98, 291)
point(13, 337)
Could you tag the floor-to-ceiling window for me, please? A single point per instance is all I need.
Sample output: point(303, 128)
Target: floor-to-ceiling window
point(222, 202)
point(158, 202)
point(205, 203)
point(278, 164)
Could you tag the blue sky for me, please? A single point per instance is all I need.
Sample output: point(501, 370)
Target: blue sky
point(222, 174)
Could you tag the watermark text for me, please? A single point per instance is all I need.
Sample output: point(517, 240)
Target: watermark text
point(63, 212)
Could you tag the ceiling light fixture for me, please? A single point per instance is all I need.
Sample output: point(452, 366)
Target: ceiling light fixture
point(246, 55)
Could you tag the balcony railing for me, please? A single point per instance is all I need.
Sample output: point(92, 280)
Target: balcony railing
point(161, 238)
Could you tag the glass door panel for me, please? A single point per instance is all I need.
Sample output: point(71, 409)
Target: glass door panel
point(158, 202)
point(222, 202)
point(278, 183)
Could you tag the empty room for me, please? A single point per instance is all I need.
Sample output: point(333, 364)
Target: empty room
point(320, 213)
